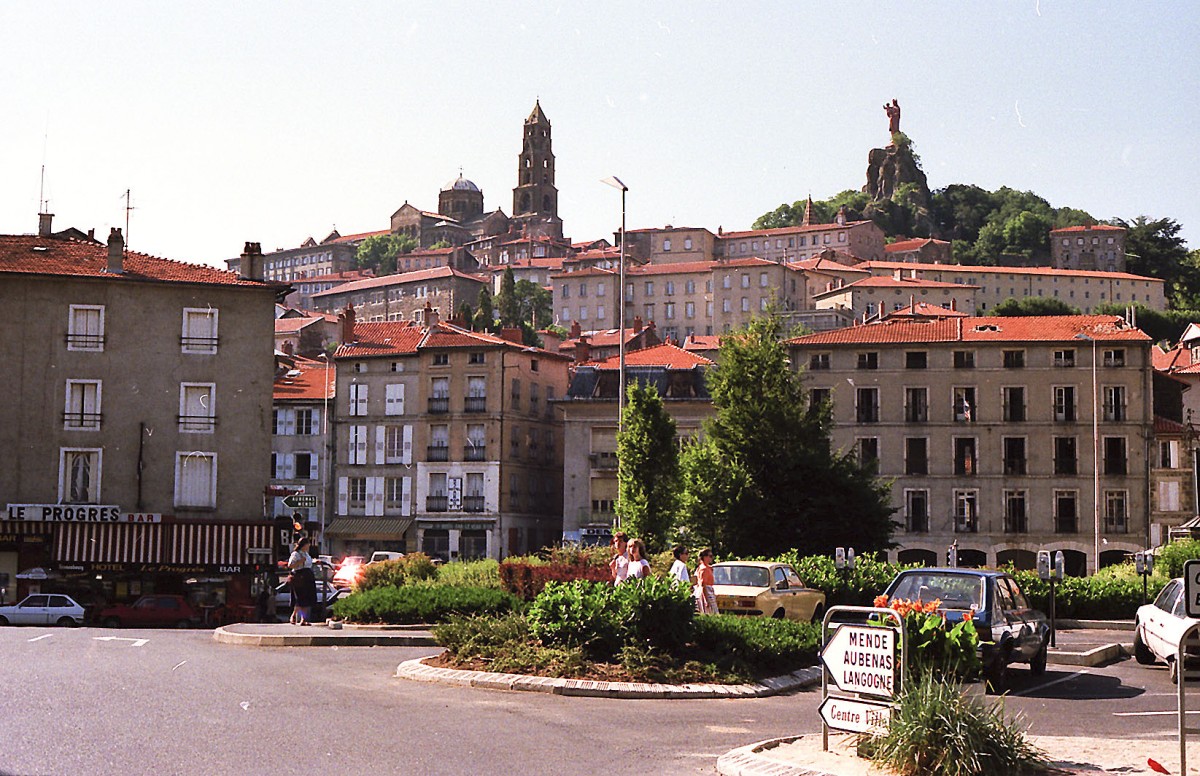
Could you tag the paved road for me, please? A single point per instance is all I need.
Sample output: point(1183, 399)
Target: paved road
point(179, 703)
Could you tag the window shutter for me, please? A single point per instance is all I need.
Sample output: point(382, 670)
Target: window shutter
point(343, 495)
point(316, 422)
point(380, 444)
point(289, 422)
point(289, 467)
point(358, 445)
point(395, 399)
point(405, 498)
point(359, 399)
point(406, 455)
point(1174, 445)
point(313, 469)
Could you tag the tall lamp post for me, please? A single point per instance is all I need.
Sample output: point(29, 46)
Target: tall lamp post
point(616, 183)
point(1095, 451)
point(325, 454)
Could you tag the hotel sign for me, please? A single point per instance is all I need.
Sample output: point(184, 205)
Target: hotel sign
point(77, 513)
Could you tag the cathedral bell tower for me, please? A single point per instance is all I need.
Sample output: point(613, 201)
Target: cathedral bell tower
point(535, 199)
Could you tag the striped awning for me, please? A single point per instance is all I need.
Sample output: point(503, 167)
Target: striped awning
point(192, 544)
point(24, 527)
point(368, 528)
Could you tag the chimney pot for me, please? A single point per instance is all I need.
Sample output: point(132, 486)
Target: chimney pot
point(512, 334)
point(346, 324)
point(44, 220)
point(252, 261)
point(116, 251)
point(431, 315)
point(576, 329)
point(637, 324)
point(583, 350)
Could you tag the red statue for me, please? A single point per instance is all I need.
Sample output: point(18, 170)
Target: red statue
point(893, 114)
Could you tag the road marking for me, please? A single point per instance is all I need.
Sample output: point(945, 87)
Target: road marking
point(136, 642)
point(1149, 713)
point(43, 636)
point(1059, 680)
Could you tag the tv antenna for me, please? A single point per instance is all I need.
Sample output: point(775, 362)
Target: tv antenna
point(128, 207)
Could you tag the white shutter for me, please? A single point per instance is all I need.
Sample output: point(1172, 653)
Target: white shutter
point(316, 421)
point(343, 495)
point(289, 422)
point(406, 455)
point(1173, 444)
point(380, 444)
point(286, 466)
point(405, 498)
point(313, 469)
point(358, 445)
point(1168, 496)
point(358, 399)
point(378, 487)
point(394, 404)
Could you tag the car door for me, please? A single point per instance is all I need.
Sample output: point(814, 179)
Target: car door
point(60, 606)
point(1006, 625)
point(1028, 639)
point(802, 602)
point(1157, 624)
point(1175, 624)
point(34, 610)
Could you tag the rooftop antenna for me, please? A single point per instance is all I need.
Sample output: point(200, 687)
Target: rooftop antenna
point(128, 208)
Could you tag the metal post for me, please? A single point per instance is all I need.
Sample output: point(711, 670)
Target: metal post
point(1053, 621)
point(616, 183)
point(1096, 453)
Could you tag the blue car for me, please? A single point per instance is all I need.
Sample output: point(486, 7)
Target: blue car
point(1010, 631)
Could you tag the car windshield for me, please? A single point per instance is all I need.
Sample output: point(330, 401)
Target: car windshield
point(955, 591)
point(748, 576)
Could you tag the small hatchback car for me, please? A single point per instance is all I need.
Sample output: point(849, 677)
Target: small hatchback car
point(43, 609)
point(765, 589)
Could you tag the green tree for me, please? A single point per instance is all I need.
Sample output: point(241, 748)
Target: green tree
point(710, 488)
point(1160, 325)
point(649, 472)
point(1154, 248)
point(441, 244)
point(485, 316)
point(378, 252)
point(1034, 305)
point(466, 314)
point(799, 492)
point(507, 303)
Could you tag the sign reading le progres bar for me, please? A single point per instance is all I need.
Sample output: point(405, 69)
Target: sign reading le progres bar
point(77, 513)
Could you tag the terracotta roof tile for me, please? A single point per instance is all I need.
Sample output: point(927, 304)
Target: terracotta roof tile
point(1057, 328)
point(926, 310)
point(1094, 228)
point(912, 245)
point(308, 381)
point(665, 355)
point(1167, 426)
point(382, 338)
point(886, 281)
point(33, 255)
point(360, 236)
point(413, 276)
point(788, 230)
point(292, 325)
point(992, 271)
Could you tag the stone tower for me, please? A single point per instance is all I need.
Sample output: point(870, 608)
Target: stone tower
point(460, 199)
point(535, 199)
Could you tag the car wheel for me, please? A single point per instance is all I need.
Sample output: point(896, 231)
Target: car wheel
point(1141, 652)
point(1037, 666)
point(183, 624)
point(818, 615)
point(3, 621)
point(112, 622)
point(66, 622)
point(1173, 671)
point(778, 615)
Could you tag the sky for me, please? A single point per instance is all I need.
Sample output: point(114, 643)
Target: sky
point(273, 122)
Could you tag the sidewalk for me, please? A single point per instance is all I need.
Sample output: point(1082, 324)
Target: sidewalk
point(249, 634)
point(1090, 646)
point(803, 756)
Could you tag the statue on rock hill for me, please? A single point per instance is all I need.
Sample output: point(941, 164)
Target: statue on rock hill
point(893, 114)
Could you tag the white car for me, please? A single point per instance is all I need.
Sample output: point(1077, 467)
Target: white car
point(1159, 626)
point(43, 609)
point(326, 594)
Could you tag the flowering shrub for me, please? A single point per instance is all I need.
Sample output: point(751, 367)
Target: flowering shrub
point(934, 646)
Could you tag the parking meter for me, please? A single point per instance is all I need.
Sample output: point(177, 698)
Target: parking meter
point(1043, 561)
point(1139, 562)
point(850, 559)
point(1143, 563)
point(1060, 565)
point(952, 556)
point(839, 558)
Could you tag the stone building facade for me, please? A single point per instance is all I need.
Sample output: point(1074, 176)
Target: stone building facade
point(1100, 247)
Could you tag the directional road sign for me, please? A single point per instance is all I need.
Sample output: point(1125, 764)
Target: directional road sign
point(855, 716)
point(862, 659)
point(300, 501)
point(1191, 588)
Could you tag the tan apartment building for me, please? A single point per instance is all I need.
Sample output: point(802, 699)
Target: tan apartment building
point(670, 244)
point(876, 296)
point(1100, 247)
point(301, 441)
point(985, 428)
point(589, 413)
point(136, 432)
point(862, 239)
point(1078, 288)
point(920, 250)
point(446, 441)
point(405, 296)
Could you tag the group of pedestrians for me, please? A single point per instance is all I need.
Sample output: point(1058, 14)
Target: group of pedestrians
point(629, 562)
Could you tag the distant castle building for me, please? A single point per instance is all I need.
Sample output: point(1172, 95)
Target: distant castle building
point(1100, 247)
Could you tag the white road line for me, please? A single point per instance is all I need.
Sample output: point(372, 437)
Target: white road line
point(136, 642)
point(1149, 713)
point(43, 636)
point(1059, 680)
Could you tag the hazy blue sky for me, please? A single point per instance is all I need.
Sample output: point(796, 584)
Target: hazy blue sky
point(276, 121)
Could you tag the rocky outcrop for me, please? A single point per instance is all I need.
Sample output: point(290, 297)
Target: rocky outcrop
point(898, 190)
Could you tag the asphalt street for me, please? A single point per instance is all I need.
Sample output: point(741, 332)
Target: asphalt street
point(96, 701)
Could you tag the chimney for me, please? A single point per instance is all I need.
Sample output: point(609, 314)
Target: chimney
point(512, 334)
point(116, 251)
point(637, 324)
point(583, 350)
point(44, 224)
point(346, 324)
point(953, 304)
point(576, 329)
point(841, 216)
point(431, 315)
point(252, 261)
point(551, 341)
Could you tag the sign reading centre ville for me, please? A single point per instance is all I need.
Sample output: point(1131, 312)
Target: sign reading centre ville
point(78, 513)
point(855, 716)
point(862, 659)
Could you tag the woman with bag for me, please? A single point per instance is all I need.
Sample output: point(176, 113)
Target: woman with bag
point(303, 583)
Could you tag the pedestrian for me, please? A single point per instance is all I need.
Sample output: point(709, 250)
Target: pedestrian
point(639, 567)
point(679, 569)
point(706, 594)
point(619, 565)
point(304, 584)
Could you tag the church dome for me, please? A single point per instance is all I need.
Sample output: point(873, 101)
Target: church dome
point(460, 184)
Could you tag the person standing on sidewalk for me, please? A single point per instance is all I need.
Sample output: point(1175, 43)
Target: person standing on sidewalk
point(619, 565)
point(304, 584)
point(706, 594)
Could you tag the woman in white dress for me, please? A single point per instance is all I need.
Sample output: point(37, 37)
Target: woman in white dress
point(639, 567)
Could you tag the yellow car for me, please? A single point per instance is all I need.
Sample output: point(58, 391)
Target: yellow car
point(760, 588)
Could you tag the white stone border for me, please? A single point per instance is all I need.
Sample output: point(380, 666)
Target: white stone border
point(417, 670)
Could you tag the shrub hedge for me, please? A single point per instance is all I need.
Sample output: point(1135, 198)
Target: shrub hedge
point(421, 604)
point(470, 573)
point(1114, 593)
point(1171, 557)
point(525, 578)
point(757, 646)
point(394, 573)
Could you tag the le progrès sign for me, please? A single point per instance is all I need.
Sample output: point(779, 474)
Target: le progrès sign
point(78, 513)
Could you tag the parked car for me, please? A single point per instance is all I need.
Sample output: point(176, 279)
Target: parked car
point(326, 595)
point(1010, 631)
point(759, 588)
point(43, 609)
point(150, 611)
point(1158, 627)
point(348, 571)
point(380, 557)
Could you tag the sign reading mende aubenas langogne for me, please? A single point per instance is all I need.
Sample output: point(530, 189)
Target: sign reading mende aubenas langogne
point(78, 513)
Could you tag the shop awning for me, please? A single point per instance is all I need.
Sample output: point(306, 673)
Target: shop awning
point(186, 544)
point(369, 527)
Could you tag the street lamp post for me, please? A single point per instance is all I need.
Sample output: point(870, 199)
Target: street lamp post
point(616, 183)
point(1095, 453)
point(326, 455)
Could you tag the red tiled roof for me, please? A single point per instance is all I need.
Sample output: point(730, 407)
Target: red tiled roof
point(553, 262)
point(665, 355)
point(1167, 426)
point(345, 277)
point(912, 245)
point(788, 230)
point(414, 276)
point(429, 252)
point(885, 281)
point(586, 272)
point(926, 310)
point(602, 338)
point(33, 255)
point(1079, 273)
point(1055, 328)
point(382, 338)
point(360, 236)
point(292, 325)
point(667, 229)
point(1168, 361)
point(1094, 228)
point(821, 264)
point(702, 342)
point(308, 381)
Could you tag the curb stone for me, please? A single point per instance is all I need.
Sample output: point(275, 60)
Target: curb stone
point(416, 670)
point(224, 635)
point(746, 761)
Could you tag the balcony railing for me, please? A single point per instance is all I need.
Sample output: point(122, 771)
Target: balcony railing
point(76, 421)
point(473, 503)
point(1016, 524)
point(603, 460)
point(436, 503)
point(197, 423)
point(474, 404)
point(1066, 524)
point(437, 453)
point(86, 341)
point(439, 405)
point(475, 453)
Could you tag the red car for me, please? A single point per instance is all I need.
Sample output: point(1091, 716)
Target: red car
point(149, 611)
